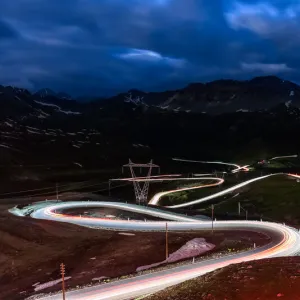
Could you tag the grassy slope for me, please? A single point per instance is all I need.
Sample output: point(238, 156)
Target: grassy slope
point(182, 197)
point(275, 197)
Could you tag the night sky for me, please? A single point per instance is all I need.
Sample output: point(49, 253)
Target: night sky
point(101, 47)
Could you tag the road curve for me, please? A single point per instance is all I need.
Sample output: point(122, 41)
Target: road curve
point(284, 241)
point(156, 198)
point(237, 168)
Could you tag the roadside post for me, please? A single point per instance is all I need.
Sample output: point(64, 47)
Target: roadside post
point(167, 250)
point(62, 271)
point(212, 219)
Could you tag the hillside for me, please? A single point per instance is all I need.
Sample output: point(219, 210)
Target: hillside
point(268, 279)
point(253, 119)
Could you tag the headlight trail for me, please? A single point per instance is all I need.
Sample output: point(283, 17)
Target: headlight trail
point(285, 156)
point(216, 195)
point(237, 167)
point(284, 240)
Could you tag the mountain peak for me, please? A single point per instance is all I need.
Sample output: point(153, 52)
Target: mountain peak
point(45, 92)
point(64, 96)
point(266, 80)
point(136, 92)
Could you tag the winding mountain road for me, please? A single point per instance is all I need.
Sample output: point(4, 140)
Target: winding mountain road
point(284, 240)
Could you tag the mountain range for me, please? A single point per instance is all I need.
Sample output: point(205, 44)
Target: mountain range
point(223, 119)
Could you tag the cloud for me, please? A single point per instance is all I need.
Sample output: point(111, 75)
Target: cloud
point(104, 47)
point(150, 56)
point(139, 54)
point(266, 68)
point(6, 31)
point(279, 24)
point(255, 17)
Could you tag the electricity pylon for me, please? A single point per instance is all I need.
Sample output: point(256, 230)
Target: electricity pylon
point(141, 191)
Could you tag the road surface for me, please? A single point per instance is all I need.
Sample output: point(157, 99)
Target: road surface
point(284, 241)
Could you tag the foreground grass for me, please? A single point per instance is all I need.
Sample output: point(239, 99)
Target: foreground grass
point(277, 278)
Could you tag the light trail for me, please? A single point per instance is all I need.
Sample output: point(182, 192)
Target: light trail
point(146, 178)
point(199, 175)
point(284, 241)
point(156, 198)
point(286, 156)
point(237, 167)
point(216, 195)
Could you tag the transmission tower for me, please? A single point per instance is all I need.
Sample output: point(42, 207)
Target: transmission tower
point(141, 189)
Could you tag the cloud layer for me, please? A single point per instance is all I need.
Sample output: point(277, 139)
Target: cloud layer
point(101, 47)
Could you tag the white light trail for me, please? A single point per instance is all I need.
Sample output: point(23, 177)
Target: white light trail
point(284, 241)
point(237, 167)
point(286, 156)
point(224, 192)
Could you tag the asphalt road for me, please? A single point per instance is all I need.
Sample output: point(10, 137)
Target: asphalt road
point(284, 241)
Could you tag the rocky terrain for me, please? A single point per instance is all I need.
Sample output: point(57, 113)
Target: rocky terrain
point(191, 249)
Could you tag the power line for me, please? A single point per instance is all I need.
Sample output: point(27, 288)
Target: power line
point(41, 189)
point(50, 193)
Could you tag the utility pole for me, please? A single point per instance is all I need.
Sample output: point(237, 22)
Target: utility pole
point(108, 187)
point(167, 250)
point(245, 210)
point(62, 271)
point(212, 219)
point(56, 191)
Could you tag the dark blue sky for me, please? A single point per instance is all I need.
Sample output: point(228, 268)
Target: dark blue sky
point(97, 47)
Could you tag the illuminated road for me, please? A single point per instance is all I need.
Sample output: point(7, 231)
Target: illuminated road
point(236, 169)
point(284, 241)
point(156, 198)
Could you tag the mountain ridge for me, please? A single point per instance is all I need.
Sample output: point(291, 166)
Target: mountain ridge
point(215, 97)
point(216, 120)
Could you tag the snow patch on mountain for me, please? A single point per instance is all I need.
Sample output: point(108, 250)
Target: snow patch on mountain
point(163, 107)
point(69, 112)
point(33, 132)
point(8, 124)
point(288, 103)
point(170, 100)
point(42, 114)
point(18, 98)
point(242, 110)
point(136, 101)
point(58, 108)
point(77, 164)
point(5, 146)
point(47, 104)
